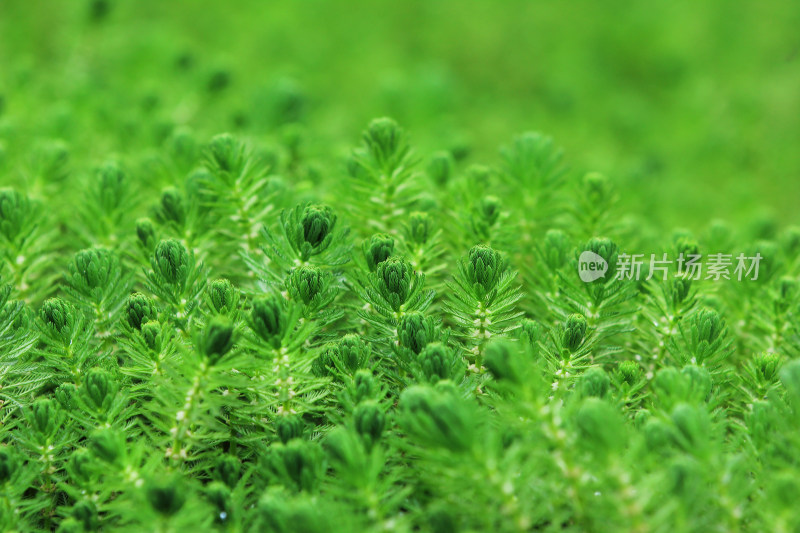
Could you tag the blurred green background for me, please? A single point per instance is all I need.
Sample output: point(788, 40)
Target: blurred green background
point(692, 108)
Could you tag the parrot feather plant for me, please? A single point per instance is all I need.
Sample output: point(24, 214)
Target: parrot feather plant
point(208, 341)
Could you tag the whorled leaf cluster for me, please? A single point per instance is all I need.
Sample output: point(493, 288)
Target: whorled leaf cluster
point(406, 347)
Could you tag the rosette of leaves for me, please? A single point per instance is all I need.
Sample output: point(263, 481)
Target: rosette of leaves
point(390, 292)
point(308, 234)
point(176, 278)
point(240, 191)
point(25, 245)
point(111, 198)
point(422, 243)
point(65, 335)
point(98, 285)
point(483, 297)
point(315, 291)
point(384, 183)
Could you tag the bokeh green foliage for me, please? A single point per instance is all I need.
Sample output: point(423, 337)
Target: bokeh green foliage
point(689, 106)
point(321, 321)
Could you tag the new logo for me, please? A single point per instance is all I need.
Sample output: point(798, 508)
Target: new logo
point(591, 266)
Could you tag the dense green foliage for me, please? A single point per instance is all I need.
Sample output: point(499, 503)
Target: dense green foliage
point(263, 331)
point(422, 354)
